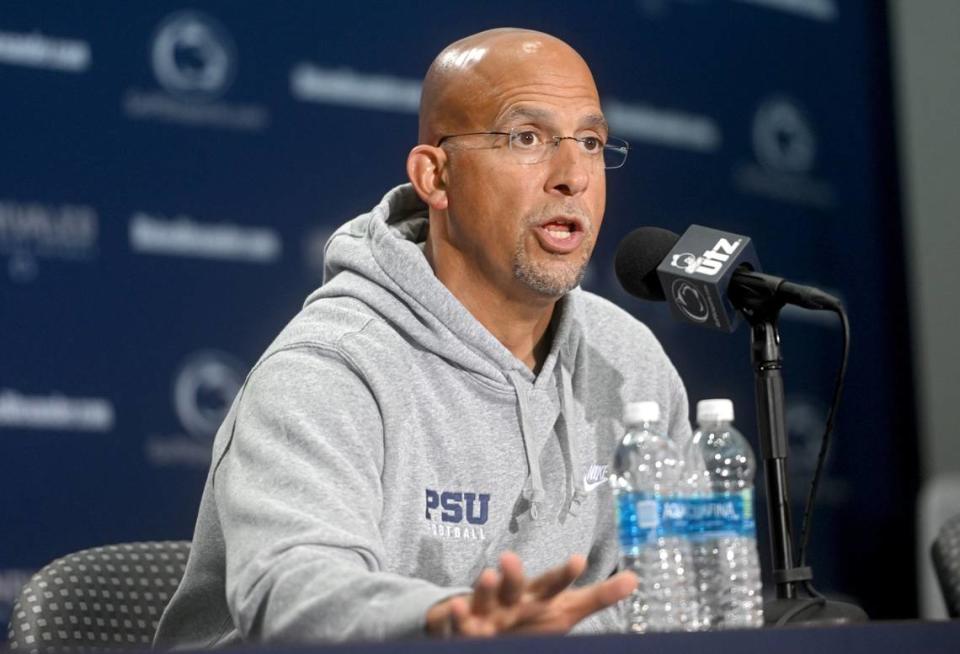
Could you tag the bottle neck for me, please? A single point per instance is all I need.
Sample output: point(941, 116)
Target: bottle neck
point(644, 425)
point(714, 425)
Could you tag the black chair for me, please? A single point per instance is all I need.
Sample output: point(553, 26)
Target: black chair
point(105, 597)
point(945, 552)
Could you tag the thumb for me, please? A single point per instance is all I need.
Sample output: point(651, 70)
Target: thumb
point(617, 587)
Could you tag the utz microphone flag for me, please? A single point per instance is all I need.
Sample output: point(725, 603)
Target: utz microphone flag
point(696, 275)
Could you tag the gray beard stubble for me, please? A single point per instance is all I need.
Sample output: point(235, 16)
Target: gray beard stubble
point(550, 282)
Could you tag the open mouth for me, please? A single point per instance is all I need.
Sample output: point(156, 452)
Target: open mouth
point(560, 235)
point(561, 228)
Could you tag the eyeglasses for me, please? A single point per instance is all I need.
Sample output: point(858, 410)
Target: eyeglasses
point(531, 147)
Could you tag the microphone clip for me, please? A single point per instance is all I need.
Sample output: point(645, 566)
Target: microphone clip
point(760, 297)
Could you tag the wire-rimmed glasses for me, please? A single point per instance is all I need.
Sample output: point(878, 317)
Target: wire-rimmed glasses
point(529, 146)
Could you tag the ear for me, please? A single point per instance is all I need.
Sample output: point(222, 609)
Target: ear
point(426, 168)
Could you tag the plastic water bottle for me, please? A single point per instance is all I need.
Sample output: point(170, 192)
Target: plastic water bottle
point(727, 569)
point(647, 480)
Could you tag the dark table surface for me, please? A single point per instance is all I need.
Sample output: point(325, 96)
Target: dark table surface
point(909, 637)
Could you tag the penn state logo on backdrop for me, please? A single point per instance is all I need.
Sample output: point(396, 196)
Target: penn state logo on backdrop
point(193, 56)
point(783, 138)
point(194, 61)
point(203, 389)
point(457, 514)
point(784, 141)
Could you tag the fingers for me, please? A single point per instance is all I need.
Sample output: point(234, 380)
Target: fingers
point(466, 623)
point(557, 579)
point(485, 592)
point(504, 601)
point(512, 582)
point(616, 588)
point(492, 590)
point(439, 620)
point(590, 599)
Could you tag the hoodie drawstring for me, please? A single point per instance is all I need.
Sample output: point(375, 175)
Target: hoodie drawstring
point(533, 490)
point(575, 490)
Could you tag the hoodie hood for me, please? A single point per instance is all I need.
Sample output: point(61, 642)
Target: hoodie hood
point(377, 259)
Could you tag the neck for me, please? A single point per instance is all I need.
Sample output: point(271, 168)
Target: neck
point(520, 322)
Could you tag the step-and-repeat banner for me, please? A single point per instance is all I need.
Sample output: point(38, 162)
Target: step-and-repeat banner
point(169, 173)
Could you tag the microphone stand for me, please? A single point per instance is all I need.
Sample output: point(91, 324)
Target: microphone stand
point(761, 308)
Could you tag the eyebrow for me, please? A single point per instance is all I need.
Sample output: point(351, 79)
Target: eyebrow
point(596, 120)
point(542, 115)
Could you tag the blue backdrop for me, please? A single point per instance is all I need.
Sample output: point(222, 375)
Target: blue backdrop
point(169, 173)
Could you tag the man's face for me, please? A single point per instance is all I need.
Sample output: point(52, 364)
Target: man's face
point(529, 228)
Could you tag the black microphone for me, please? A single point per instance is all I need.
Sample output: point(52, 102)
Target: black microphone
point(708, 277)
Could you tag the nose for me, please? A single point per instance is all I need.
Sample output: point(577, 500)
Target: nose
point(570, 169)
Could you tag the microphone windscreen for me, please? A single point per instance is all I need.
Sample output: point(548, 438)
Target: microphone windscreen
point(638, 256)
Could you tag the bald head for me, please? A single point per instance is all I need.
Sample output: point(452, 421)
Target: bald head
point(468, 77)
point(512, 221)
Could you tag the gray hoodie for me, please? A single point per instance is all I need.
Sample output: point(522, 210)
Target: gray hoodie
point(386, 448)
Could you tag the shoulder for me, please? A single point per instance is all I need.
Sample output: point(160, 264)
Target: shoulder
point(341, 340)
point(325, 326)
point(612, 340)
point(612, 330)
point(619, 352)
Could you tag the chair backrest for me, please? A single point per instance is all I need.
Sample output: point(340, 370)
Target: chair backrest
point(945, 552)
point(101, 598)
point(938, 501)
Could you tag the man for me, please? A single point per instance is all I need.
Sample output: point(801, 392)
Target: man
point(435, 423)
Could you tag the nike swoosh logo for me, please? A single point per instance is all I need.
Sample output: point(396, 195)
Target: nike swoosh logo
point(596, 476)
point(589, 486)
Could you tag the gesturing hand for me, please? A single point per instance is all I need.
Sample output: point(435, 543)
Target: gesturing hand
point(506, 601)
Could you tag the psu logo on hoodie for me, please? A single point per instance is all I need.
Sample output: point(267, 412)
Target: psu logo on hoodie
point(457, 514)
